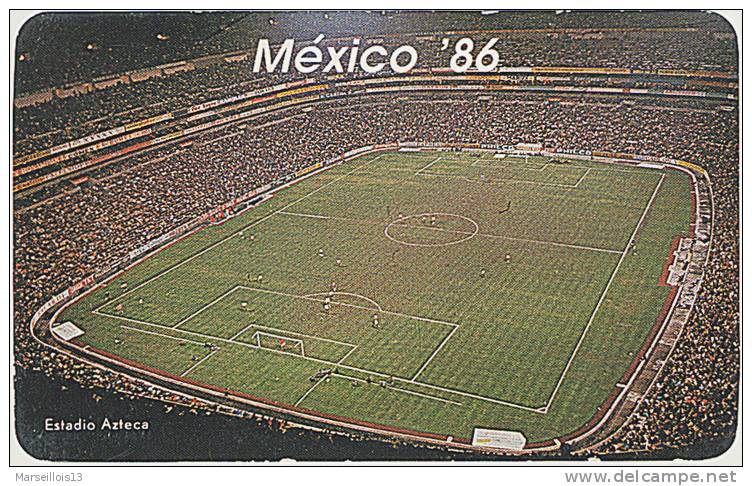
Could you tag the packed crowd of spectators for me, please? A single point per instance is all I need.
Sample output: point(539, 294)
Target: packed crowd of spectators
point(55, 54)
point(82, 230)
point(697, 394)
point(48, 124)
point(684, 41)
point(65, 232)
point(60, 120)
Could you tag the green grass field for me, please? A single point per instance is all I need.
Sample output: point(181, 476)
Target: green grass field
point(506, 291)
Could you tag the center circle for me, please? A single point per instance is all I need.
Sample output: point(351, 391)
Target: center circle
point(458, 228)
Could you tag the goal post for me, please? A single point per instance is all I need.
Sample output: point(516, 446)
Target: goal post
point(278, 342)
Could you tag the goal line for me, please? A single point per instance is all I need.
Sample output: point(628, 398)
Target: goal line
point(270, 340)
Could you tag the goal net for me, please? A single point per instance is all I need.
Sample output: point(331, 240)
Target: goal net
point(278, 342)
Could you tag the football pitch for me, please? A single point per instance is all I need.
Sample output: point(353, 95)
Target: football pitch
point(441, 291)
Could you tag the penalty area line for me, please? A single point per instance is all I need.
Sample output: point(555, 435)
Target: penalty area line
point(402, 390)
point(321, 361)
point(346, 304)
point(428, 165)
point(308, 392)
point(341, 360)
point(202, 309)
point(197, 363)
point(194, 365)
point(433, 355)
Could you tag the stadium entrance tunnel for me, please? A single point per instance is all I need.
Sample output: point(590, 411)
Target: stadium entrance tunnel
point(431, 229)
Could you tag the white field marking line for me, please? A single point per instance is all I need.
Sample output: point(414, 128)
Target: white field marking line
point(500, 182)
point(435, 352)
point(308, 392)
point(268, 328)
point(308, 215)
point(337, 218)
point(605, 291)
point(485, 235)
point(220, 339)
point(351, 294)
point(399, 222)
point(513, 180)
point(347, 355)
point(355, 306)
point(177, 339)
point(202, 309)
point(634, 169)
point(522, 181)
point(160, 334)
point(428, 165)
point(258, 334)
point(283, 331)
point(240, 333)
point(423, 395)
point(631, 170)
point(329, 363)
point(235, 233)
point(317, 338)
point(446, 159)
point(582, 177)
point(353, 346)
point(553, 243)
point(394, 388)
point(511, 164)
point(341, 360)
point(198, 363)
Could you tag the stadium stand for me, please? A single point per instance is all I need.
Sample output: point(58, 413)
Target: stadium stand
point(65, 231)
